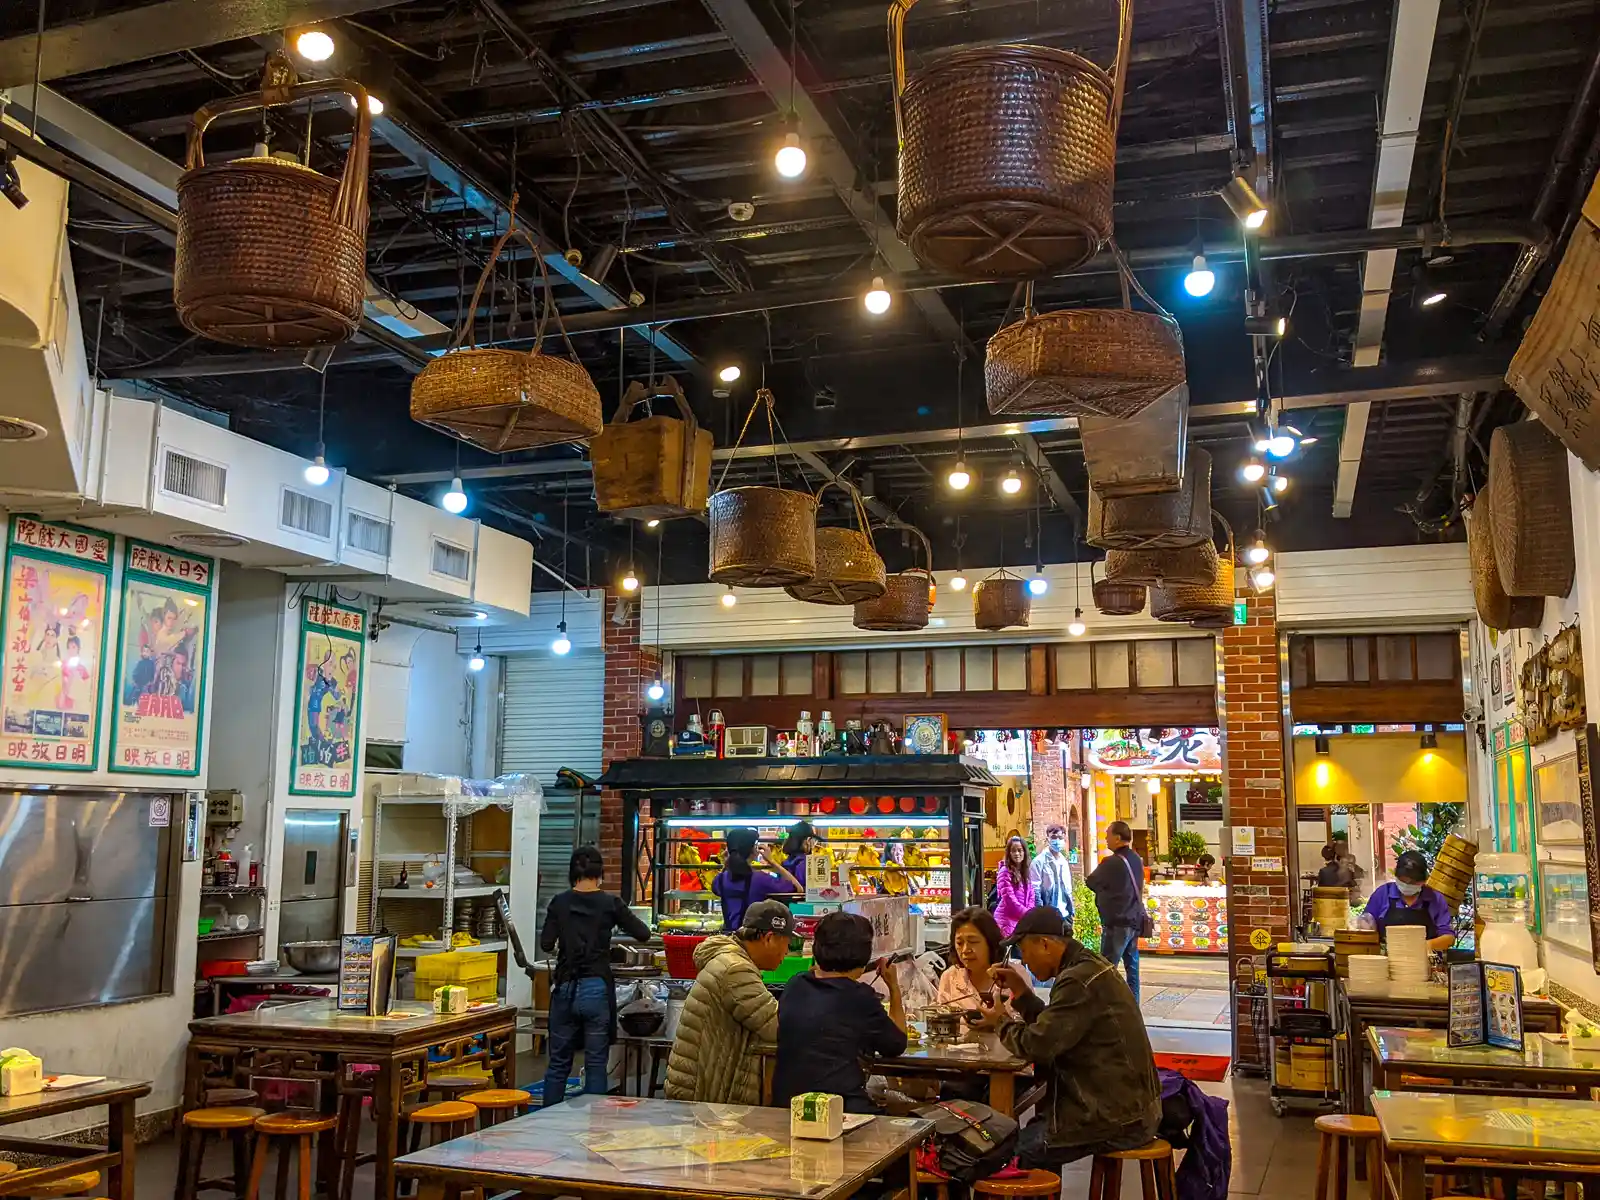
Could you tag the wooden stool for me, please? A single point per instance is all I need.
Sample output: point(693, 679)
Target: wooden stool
point(228, 1098)
point(1031, 1183)
point(347, 1139)
point(233, 1123)
point(498, 1104)
point(1157, 1178)
point(85, 1184)
point(939, 1183)
point(296, 1132)
point(1340, 1131)
point(453, 1087)
point(449, 1119)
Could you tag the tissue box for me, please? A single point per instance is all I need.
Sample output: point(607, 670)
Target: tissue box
point(20, 1072)
point(449, 999)
point(816, 1115)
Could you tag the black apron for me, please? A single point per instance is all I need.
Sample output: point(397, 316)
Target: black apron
point(1403, 914)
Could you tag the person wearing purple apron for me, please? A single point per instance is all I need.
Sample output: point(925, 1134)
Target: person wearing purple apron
point(741, 882)
point(1408, 900)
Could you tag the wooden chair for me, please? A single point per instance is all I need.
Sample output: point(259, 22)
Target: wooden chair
point(1340, 1132)
point(295, 1133)
point(1157, 1176)
point(232, 1122)
point(85, 1184)
point(497, 1104)
point(1030, 1183)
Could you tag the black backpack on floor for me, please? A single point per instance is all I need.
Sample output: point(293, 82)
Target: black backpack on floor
point(972, 1140)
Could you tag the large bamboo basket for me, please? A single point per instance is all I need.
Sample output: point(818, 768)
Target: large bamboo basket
point(654, 469)
point(1007, 154)
point(1191, 566)
point(271, 253)
point(1159, 521)
point(1113, 599)
point(763, 537)
point(1532, 505)
point(1141, 456)
point(907, 599)
point(1495, 609)
point(1001, 601)
point(1097, 362)
point(1206, 605)
point(849, 567)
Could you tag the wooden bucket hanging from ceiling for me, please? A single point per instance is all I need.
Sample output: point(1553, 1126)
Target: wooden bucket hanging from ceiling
point(762, 536)
point(1113, 599)
point(654, 469)
point(849, 567)
point(907, 598)
point(1140, 456)
point(1158, 521)
point(1531, 500)
point(1007, 154)
point(271, 253)
point(1206, 604)
point(1001, 601)
point(1495, 608)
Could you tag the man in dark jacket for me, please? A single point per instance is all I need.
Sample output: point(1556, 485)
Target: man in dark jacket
point(1088, 1043)
point(1118, 887)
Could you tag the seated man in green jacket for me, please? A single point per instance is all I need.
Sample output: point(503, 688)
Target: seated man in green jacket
point(729, 1016)
point(1089, 1044)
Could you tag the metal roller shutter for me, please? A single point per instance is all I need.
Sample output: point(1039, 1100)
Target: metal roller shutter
point(553, 714)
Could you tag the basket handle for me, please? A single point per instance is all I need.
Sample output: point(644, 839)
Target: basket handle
point(466, 335)
point(278, 87)
point(855, 502)
point(638, 394)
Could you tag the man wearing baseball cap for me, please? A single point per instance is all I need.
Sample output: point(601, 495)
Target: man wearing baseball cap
point(1088, 1043)
point(729, 1016)
point(1408, 900)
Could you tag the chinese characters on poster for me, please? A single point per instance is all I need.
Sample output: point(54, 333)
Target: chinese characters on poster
point(56, 581)
point(327, 700)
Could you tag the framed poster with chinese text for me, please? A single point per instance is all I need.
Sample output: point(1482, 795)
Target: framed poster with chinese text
point(327, 702)
point(159, 690)
point(57, 582)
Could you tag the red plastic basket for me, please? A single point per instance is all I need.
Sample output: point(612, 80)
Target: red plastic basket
point(680, 954)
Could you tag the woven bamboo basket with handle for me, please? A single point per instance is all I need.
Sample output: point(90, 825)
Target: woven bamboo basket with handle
point(762, 536)
point(502, 399)
point(849, 567)
point(1191, 566)
point(1007, 154)
point(907, 598)
point(271, 253)
point(1495, 609)
point(1001, 601)
point(1200, 604)
point(1532, 505)
point(654, 469)
point(1160, 521)
point(1113, 599)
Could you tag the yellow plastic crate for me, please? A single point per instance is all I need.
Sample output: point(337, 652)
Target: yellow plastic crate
point(462, 967)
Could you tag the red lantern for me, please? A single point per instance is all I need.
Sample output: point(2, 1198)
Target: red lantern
point(886, 804)
point(827, 804)
point(908, 804)
point(858, 804)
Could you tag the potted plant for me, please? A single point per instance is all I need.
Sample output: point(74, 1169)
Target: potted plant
point(1184, 846)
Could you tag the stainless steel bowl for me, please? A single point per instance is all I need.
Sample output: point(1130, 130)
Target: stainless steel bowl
point(313, 958)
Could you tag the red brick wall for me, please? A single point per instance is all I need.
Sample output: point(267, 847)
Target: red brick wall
point(1253, 757)
point(629, 668)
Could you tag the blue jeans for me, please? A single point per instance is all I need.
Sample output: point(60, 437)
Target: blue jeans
point(1120, 943)
point(578, 1013)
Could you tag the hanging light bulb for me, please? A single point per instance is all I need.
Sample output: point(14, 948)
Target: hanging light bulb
point(475, 663)
point(374, 105)
point(877, 298)
point(1012, 483)
point(316, 471)
point(1257, 552)
point(790, 159)
point(657, 690)
point(455, 500)
point(959, 476)
point(314, 46)
point(1153, 786)
point(1262, 578)
point(1076, 627)
point(958, 582)
point(630, 581)
point(1200, 279)
point(730, 373)
point(729, 598)
point(1253, 470)
point(1283, 442)
point(653, 523)
point(1280, 484)
point(1038, 585)
point(562, 643)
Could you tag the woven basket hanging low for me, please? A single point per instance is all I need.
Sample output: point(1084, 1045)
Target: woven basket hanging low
point(1201, 603)
point(1117, 599)
point(1192, 566)
point(1162, 521)
point(1495, 609)
point(654, 469)
point(762, 537)
point(271, 253)
point(907, 598)
point(849, 567)
point(501, 399)
point(1007, 154)
point(1141, 456)
point(1532, 504)
point(1001, 601)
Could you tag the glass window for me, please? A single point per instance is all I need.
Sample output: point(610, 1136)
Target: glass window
point(729, 675)
point(1330, 659)
point(850, 673)
point(764, 675)
point(696, 678)
point(1011, 668)
point(947, 670)
point(1111, 664)
point(1152, 664)
point(1394, 657)
point(914, 671)
point(1197, 662)
point(883, 672)
point(1438, 655)
point(1360, 660)
point(797, 678)
point(1073, 672)
point(980, 668)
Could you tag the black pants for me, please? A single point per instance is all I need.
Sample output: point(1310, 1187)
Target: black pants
point(1036, 1152)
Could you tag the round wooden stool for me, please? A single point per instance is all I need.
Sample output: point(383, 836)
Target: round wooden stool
point(453, 1087)
point(295, 1133)
point(228, 1097)
point(234, 1123)
point(1341, 1131)
point(1030, 1183)
point(1157, 1177)
point(449, 1119)
point(498, 1104)
point(85, 1184)
point(6, 1167)
point(939, 1184)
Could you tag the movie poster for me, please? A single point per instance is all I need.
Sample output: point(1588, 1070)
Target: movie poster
point(327, 705)
point(56, 584)
point(162, 661)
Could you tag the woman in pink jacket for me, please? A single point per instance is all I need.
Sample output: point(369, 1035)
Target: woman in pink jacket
point(1016, 892)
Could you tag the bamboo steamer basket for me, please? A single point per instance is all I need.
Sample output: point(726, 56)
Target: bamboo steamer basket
point(1191, 566)
point(271, 253)
point(1007, 154)
point(849, 567)
point(1142, 455)
point(1001, 601)
point(655, 469)
point(1159, 521)
point(1352, 941)
point(1112, 599)
point(907, 599)
point(1330, 907)
point(1531, 501)
point(1495, 609)
point(1453, 869)
point(763, 537)
point(1205, 601)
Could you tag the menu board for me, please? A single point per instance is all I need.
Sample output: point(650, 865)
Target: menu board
point(366, 973)
point(1189, 918)
point(1485, 1005)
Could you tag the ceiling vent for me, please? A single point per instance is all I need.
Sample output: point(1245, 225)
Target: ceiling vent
point(306, 514)
point(367, 534)
point(206, 541)
point(194, 479)
point(15, 429)
point(452, 561)
point(458, 614)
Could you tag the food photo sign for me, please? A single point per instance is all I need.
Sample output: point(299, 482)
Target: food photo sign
point(327, 705)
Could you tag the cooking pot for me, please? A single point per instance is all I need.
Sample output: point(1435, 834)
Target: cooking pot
point(313, 958)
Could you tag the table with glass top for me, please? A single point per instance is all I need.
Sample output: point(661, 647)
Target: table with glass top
point(621, 1147)
point(980, 1053)
point(1526, 1135)
point(1402, 1056)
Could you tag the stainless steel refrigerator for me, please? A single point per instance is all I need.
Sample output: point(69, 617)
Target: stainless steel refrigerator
point(313, 881)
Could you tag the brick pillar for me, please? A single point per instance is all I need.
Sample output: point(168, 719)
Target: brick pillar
point(1252, 730)
point(629, 668)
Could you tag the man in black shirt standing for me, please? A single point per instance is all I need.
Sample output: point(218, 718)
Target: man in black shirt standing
point(828, 1020)
point(1118, 887)
point(583, 1001)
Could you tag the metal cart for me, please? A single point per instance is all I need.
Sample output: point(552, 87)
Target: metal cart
point(1300, 1012)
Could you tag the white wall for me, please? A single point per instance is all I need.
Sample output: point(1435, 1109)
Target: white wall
point(248, 647)
point(438, 716)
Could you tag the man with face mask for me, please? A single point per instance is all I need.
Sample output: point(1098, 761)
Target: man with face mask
point(1053, 874)
point(1407, 900)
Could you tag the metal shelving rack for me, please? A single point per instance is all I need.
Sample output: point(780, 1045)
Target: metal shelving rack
point(1298, 1021)
point(457, 839)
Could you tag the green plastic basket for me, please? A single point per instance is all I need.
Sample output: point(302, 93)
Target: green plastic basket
point(794, 964)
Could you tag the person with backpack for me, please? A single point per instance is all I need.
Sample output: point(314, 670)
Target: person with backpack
point(741, 883)
point(1118, 887)
point(583, 996)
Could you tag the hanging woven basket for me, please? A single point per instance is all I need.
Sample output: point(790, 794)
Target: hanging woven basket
point(271, 253)
point(1192, 566)
point(1495, 608)
point(1007, 154)
point(1001, 601)
point(1531, 502)
point(505, 400)
point(1113, 599)
point(1162, 521)
point(762, 536)
point(1199, 603)
point(907, 598)
point(654, 469)
point(1099, 362)
point(1141, 456)
point(849, 567)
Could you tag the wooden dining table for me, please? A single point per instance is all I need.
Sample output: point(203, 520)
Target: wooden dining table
point(977, 1053)
point(624, 1148)
point(1423, 1060)
point(116, 1157)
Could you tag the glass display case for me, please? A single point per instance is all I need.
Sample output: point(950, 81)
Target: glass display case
point(1564, 896)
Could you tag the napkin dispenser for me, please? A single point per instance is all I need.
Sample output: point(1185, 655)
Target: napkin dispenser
point(816, 1115)
point(21, 1073)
